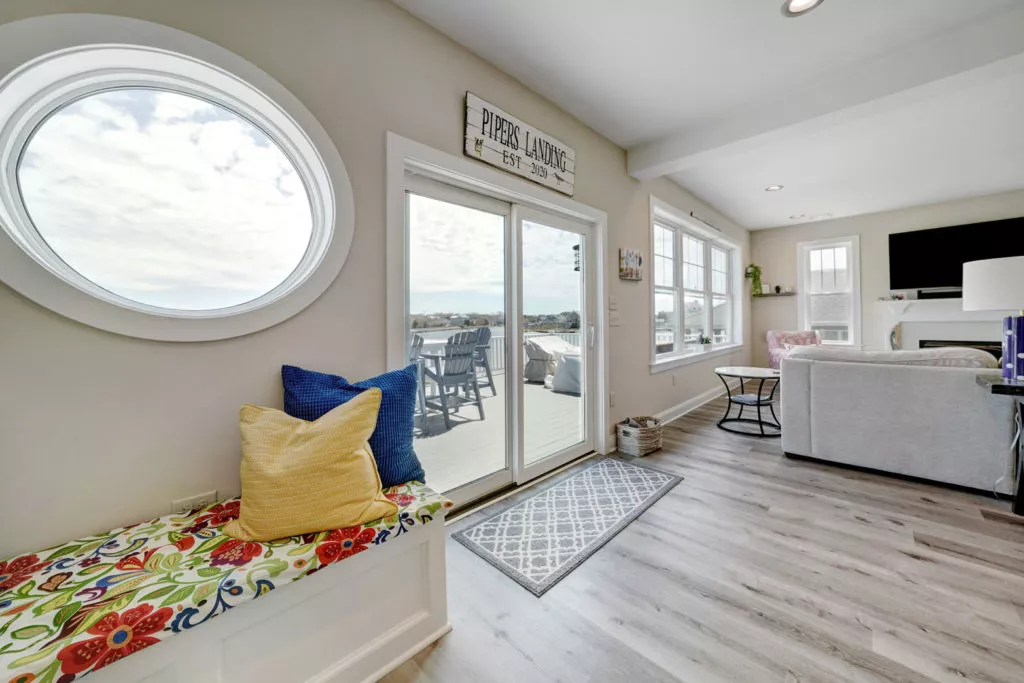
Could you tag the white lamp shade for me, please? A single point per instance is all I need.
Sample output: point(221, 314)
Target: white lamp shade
point(994, 284)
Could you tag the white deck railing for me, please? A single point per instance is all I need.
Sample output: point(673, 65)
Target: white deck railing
point(496, 351)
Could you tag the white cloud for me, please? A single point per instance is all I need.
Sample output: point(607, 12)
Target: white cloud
point(457, 262)
point(166, 199)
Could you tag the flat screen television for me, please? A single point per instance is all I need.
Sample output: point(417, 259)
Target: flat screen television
point(934, 259)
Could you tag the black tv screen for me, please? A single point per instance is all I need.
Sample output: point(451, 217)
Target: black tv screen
point(927, 259)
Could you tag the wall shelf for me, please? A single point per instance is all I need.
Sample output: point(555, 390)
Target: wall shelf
point(773, 294)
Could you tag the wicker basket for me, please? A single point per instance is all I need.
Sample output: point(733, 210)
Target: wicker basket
point(639, 440)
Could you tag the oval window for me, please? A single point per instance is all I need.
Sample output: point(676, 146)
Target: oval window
point(165, 199)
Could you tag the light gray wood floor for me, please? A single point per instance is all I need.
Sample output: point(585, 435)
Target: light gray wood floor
point(756, 568)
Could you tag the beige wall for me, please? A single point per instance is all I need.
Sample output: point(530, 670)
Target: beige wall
point(775, 251)
point(99, 430)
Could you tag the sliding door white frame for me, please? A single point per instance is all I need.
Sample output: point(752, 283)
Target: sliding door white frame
point(417, 184)
point(523, 471)
point(407, 156)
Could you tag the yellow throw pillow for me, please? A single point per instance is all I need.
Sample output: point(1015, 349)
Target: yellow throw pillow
point(300, 477)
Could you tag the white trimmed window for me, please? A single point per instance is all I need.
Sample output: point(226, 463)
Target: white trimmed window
point(829, 289)
point(693, 288)
point(167, 190)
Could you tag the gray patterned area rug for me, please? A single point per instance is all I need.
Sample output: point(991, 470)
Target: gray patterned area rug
point(539, 541)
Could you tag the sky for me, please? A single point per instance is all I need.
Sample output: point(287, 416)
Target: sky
point(457, 262)
point(166, 199)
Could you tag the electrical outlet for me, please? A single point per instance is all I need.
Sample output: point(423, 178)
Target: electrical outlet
point(611, 400)
point(183, 506)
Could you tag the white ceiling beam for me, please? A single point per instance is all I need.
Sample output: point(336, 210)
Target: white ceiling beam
point(986, 49)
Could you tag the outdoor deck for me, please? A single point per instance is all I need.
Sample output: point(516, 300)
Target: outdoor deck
point(475, 448)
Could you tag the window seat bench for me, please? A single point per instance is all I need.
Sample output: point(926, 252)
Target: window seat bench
point(370, 597)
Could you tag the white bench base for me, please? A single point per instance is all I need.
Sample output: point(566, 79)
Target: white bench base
point(352, 622)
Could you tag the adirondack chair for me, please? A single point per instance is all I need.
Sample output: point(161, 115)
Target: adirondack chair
point(415, 348)
point(453, 370)
point(482, 357)
point(415, 357)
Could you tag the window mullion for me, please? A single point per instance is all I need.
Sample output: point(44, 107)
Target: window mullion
point(680, 321)
point(709, 297)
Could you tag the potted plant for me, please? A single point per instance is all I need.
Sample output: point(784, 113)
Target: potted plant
point(705, 341)
point(754, 273)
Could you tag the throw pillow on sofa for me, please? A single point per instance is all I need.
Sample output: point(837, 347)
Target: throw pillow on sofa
point(308, 395)
point(300, 477)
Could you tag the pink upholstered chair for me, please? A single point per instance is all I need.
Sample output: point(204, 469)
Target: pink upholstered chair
point(779, 343)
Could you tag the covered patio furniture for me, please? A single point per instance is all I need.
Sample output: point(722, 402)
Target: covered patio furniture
point(542, 354)
point(568, 377)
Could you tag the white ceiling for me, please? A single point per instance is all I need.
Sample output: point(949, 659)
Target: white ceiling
point(959, 143)
point(859, 106)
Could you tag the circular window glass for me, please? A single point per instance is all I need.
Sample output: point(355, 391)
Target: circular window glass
point(165, 199)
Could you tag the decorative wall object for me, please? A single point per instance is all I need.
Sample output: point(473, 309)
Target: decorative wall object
point(502, 140)
point(631, 264)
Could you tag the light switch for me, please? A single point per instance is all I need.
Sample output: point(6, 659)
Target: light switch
point(614, 319)
point(613, 303)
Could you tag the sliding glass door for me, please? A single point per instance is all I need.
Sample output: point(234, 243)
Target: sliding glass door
point(499, 326)
point(556, 316)
point(459, 247)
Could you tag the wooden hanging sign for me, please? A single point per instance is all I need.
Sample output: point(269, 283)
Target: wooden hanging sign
point(502, 140)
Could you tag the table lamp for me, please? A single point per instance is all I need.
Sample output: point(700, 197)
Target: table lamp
point(998, 285)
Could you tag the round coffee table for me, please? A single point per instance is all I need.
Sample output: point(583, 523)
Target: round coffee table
point(757, 400)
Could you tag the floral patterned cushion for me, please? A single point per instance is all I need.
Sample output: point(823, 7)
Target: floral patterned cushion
point(73, 609)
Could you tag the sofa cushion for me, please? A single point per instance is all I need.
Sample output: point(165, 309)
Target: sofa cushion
point(309, 395)
point(301, 477)
point(947, 357)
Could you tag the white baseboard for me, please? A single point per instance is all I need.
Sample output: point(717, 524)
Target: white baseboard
point(689, 405)
point(678, 410)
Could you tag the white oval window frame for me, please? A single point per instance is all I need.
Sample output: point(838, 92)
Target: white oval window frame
point(54, 60)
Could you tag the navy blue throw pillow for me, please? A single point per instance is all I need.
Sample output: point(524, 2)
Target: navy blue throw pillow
point(308, 395)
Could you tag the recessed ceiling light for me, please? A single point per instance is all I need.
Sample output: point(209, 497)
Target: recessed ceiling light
point(823, 216)
point(797, 8)
point(773, 188)
point(797, 217)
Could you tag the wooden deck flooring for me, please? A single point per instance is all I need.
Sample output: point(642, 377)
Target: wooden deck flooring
point(475, 448)
point(756, 568)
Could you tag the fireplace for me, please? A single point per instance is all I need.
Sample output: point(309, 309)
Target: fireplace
point(995, 348)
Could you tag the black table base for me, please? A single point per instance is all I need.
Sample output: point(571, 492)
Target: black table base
point(995, 384)
point(758, 401)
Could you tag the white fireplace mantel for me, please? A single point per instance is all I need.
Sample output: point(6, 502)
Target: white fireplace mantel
point(895, 320)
